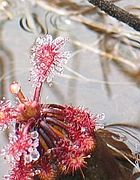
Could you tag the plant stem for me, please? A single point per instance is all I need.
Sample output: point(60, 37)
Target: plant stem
point(37, 92)
point(118, 13)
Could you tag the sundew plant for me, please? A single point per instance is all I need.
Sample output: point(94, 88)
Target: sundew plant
point(52, 141)
point(60, 141)
point(48, 139)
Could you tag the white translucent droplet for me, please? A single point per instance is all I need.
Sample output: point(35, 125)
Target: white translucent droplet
point(34, 134)
point(42, 65)
point(64, 167)
point(35, 155)
point(19, 153)
point(49, 79)
point(3, 152)
point(88, 156)
point(37, 171)
point(83, 129)
point(27, 158)
point(36, 143)
point(17, 158)
point(30, 141)
point(39, 41)
point(7, 177)
point(50, 84)
point(101, 116)
point(99, 126)
point(3, 127)
point(30, 149)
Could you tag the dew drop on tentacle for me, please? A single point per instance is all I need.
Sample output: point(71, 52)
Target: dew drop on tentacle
point(37, 171)
point(27, 158)
point(99, 121)
point(35, 155)
point(101, 116)
point(3, 152)
point(34, 134)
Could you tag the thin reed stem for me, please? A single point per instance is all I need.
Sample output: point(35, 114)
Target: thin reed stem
point(118, 13)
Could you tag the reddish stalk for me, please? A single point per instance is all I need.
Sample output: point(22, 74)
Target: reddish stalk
point(37, 92)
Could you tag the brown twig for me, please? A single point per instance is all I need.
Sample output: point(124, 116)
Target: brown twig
point(118, 13)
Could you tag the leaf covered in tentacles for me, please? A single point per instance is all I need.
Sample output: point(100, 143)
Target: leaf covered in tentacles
point(106, 163)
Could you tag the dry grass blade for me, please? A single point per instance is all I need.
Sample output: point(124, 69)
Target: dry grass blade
point(118, 13)
point(108, 55)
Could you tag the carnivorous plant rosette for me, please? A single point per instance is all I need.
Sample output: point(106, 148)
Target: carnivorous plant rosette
point(49, 139)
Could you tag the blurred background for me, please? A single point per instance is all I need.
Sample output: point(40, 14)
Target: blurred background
point(103, 73)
